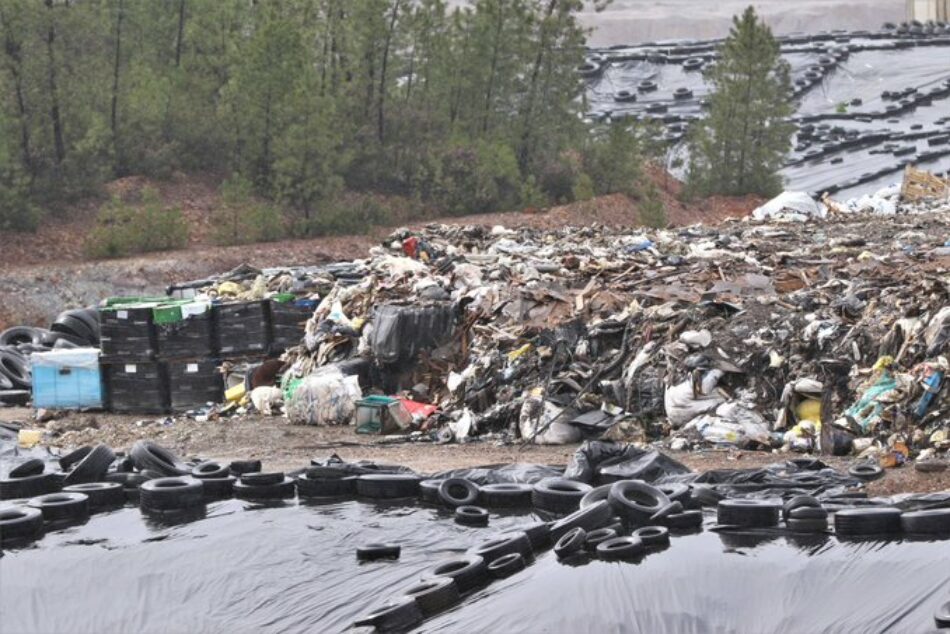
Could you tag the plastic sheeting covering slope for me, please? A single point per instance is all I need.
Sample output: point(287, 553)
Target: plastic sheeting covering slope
point(244, 568)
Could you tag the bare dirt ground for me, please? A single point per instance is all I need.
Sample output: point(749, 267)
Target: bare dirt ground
point(282, 446)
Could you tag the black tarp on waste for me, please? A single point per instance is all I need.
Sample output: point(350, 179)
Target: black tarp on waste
point(598, 461)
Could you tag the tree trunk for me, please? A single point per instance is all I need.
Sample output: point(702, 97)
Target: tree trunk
point(524, 151)
point(54, 93)
point(381, 104)
point(181, 32)
point(115, 72)
point(15, 65)
point(496, 46)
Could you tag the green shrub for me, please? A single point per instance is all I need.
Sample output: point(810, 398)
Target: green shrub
point(122, 229)
point(613, 160)
point(479, 178)
point(242, 219)
point(17, 213)
point(560, 175)
point(652, 212)
point(352, 216)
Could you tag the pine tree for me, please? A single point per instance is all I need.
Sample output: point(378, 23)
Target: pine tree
point(741, 145)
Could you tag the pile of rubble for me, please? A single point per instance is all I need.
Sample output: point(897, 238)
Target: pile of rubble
point(753, 334)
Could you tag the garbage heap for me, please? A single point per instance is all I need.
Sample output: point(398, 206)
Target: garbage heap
point(828, 333)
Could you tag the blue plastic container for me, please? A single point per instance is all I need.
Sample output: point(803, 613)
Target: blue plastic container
point(67, 379)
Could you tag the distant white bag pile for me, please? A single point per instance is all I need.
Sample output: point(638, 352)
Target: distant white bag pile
point(325, 398)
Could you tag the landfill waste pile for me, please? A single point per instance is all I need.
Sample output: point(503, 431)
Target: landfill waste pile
point(612, 503)
point(868, 103)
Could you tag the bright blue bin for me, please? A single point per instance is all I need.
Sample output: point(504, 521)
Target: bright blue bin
point(67, 379)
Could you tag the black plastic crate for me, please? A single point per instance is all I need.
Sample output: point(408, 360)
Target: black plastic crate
point(288, 325)
point(136, 388)
point(241, 328)
point(193, 384)
point(127, 334)
point(189, 338)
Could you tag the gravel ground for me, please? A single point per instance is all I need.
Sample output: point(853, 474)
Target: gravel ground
point(283, 446)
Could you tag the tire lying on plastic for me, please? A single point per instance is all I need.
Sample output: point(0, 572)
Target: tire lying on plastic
point(930, 522)
point(469, 515)
point(387, 485)
point(570, 543)
point(868, 521)
point(147, 455)
point(506, 565)
point(558, 494)
point(171, 494)
point(468, 571)
point(434, 595)
point(506, 495)
point(317, 485)
point(20, 522)
point(28, 486)
point(61, 506)
point(271, 490)
point(92, 467)
point(504, 545)
point(100, 494)
point(749, 513)
point(594, 516)
point(620, 548)
point(398, 616)
point(372, 552)
point(455, 492)
point(635, 501)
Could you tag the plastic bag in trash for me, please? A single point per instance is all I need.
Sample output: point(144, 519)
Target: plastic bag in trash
point(325, 398)
point(790, 206)
point(732, 424)
point(683, 404)
point(560, 432)
point(600, 461)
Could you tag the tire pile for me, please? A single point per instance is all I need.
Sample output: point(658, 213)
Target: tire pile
point(71, 329)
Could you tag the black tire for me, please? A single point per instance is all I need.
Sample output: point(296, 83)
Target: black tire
point(930, 466)
point(506, 565)
point(21, 334)
point(868, 521)
point(597, 536)
point(471, 516)
point(90, 317)
point(124, 465)
point(15, 397)
point(388, 485)
point(799, 501)
point(100, 494)
point(620, 548)
point(240, 467)
point(429, 491)
point(749, 513)
point(66, 462)
point(15, 368)
point(807, 513)
point(130, 484)
point(218, 488)
point(570, 542)
point(372, 552)
point(262, 479)
point(61, 506)
point(32, 467)
point(942, 616)
point(807, 525)
point(685, 520)
point(468, 571)
point(539, 534)
point(148, 456)
point(92, 468)
point(434, 595)
point(673, 508)
point(456, 492)
point(325, 487)
point(594, 516)
point(210, 469)
point(558, 494)
point(930, 522)
point(71, 324)
point(867, 472)
point(653, 536)
point(676, 493)
point(596, 495)
point(504, 545)
point(170, 494)
point(279, 491)
point(28, 487)
point(506, 495)
point(636, 502)
point(705, 495)
point(20, 522)
point(400, 616)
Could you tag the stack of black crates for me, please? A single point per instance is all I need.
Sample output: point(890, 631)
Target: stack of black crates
point(155, 365)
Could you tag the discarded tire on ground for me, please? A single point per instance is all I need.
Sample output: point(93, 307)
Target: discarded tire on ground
point(685, 520)
point(15, 368)
point(310, 486)
point(506, 495)
point(262, 479)
point(942, 616)
point(429, 490)
point(635, 501)
point(100, 494)
point(506, 565)
point(539, 534)
point(653, 536)
point(458, 492)
point(751, 513)
point(399, 616)
point(868, 521)
point(594, 516)
point(471, 516)
point(240, 467)
point(597, 536)
point(66, 462)
point(31, 467)
point(170, 494)
point(807, 513)
point(149, 456)
point(807, 525)
point(620, 548)
point(28, 486)
point(570, 542)
point(273, 491)
point(61, 506)
point(20, 522)
point(676, 493)
point(434, 595)
point(468, 571)
point(867, 472)
point(218, 488)
point(387, 485)
point(210, 469)
point(930, 522)
point(705, 495)
point(596, 495)
point(799, 501)
point(673, 508)
point(504, 545)
point(372, 552)
point(930, 466)
point(558, 494)
point(92, 467)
